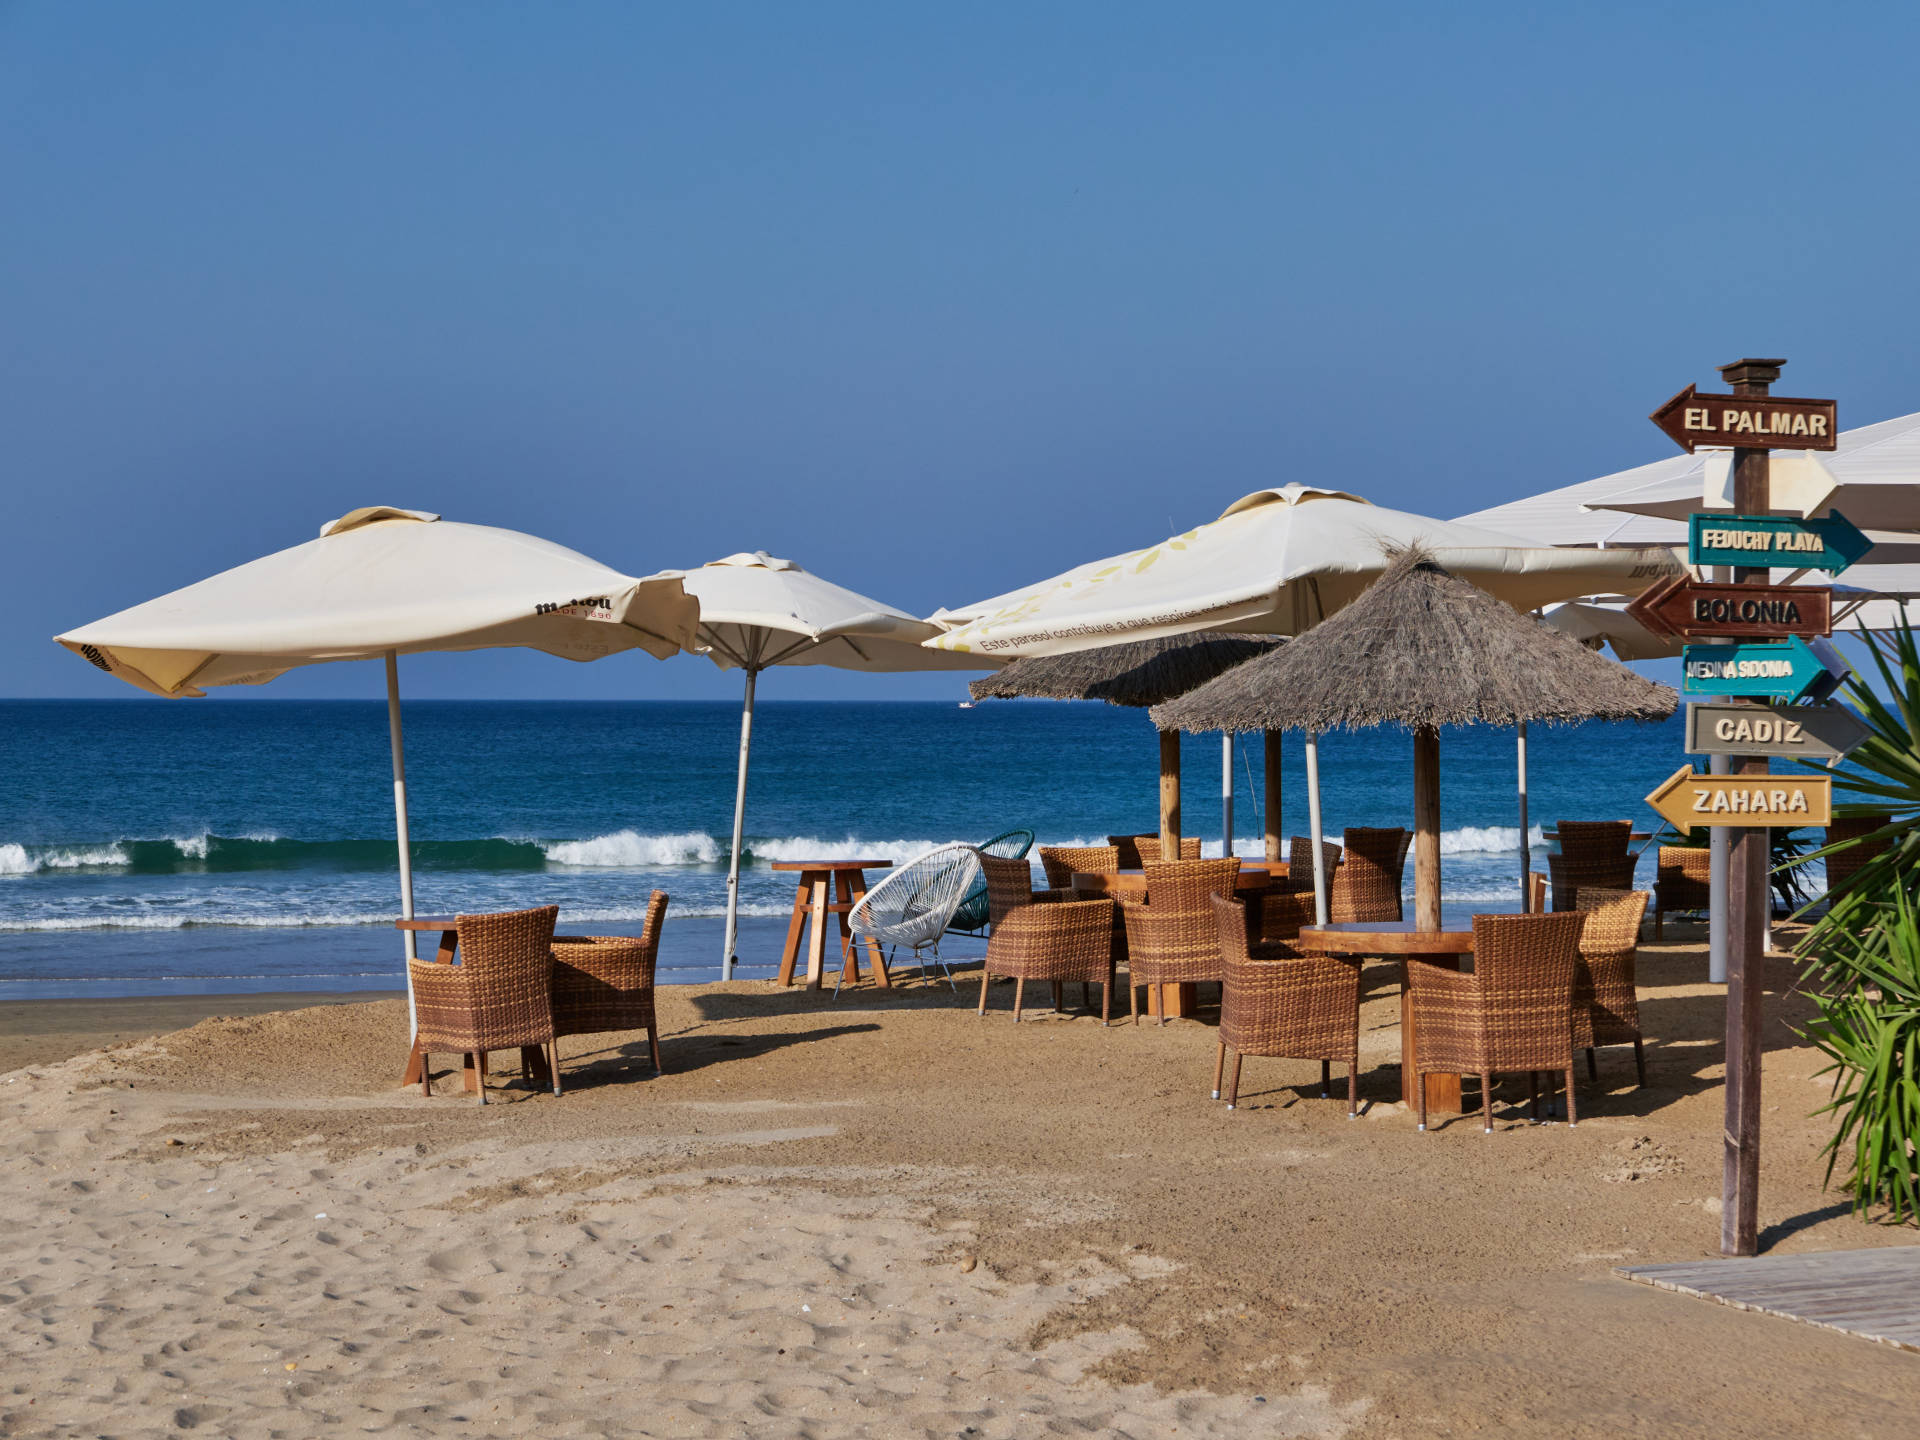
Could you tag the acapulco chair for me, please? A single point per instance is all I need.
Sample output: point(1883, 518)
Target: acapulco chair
point(913, 905)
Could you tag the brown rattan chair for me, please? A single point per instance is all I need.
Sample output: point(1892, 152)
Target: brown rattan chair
point(1683, 881)
point(1843, 865)
point(499, 997)
point(604, 983)
point(1283, 914)
point(1277, 1002)
point(1592, 852)
point(1054, 942)
point(1300, 865)
point(1367, 884)
point(1062, 862)
point(1606, 1005)
point(1513, 1013)
point(1173, 939)
point(1148, 847)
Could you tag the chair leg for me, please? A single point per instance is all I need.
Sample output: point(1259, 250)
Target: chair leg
point(1233, 1085)
point(1659, 923)
point(1593, 1068)
point(426, 1075)
point(1133, 998)
point(480, 1075)
point(1106, 1000)
point(1059, 992)
point(1573, 1115)
point(1639, 1063)
point(1486, 1102)
point(1533, 1095)
point(1326, 1078)
point(653, 1044)
point(1219, 1068)
point(1420, 1096)
point(553, 1058)
point(985, 980)
point(1019, 992)
point(1353, 1088)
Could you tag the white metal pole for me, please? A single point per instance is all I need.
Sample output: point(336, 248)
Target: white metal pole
point(739, 822)
point(403, 839)
point(1226, 794)
point(1313, 828)
point(1526, 851)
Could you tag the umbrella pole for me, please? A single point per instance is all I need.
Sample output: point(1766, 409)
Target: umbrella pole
point(1313, 828)
point(1226, 794)
point(1271, 816)
point(739, 821)
point(1170, 794)
point(1526, 852)
point(403, 839)
point(1426, 829)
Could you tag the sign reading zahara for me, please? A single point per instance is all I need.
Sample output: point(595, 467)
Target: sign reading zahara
point(1686, 800)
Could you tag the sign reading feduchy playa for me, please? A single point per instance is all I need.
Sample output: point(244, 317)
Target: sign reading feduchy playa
point(1760, 422)
point(1775, 542)
point(1689, 608)
point(1789, 670)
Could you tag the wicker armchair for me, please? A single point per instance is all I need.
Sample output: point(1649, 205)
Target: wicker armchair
point(1053, 942)
point(1606, 1005)
point(971, 916)
point(1592, 852)
point(1683, 881)
point(1367, 884)
point(1300, 865)
point(1129, 850)
point(1173, 938)
point(603, 983)
point(1283, 914)
point(1843, 865)
point(1279, 1003)
point(1148, 847)
point(1062, 862)
point(1514, 1012)
point(499, 997)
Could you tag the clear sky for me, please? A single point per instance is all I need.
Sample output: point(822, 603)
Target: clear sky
point(933, 299)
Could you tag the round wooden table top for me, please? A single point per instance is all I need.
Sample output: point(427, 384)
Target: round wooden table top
point(428, 922)
point(831, 865)
point(1383, 937)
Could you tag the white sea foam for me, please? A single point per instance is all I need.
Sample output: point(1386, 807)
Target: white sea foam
point(82, 858)
point(14, 860)
point(629, 849)
point(193, 847)
point(1488, 840)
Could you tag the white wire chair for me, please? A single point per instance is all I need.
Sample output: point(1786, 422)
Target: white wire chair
point(913, 905)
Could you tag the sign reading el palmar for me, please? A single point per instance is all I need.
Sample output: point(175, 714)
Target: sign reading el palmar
point(1759, 422)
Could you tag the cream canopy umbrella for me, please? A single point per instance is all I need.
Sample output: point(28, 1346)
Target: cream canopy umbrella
point(381, 582)
point(757, 612)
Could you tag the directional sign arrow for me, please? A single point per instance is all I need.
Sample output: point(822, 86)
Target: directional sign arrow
point(1760, 422)
point(1691, 608)
point(1789, 670)
point(1796, 732)
point(1831, 543)
point(1685, 800)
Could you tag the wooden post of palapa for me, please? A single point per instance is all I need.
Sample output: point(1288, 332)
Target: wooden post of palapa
point(1271, 814)
point(1747, 903)
point(1426, 829)
point(1170, 794)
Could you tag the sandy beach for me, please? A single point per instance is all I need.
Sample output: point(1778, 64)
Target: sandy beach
point(881, 1216)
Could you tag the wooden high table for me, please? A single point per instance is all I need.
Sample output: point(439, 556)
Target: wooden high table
point(848, 878)
point(1398, 939)
point(1172, 1000)
point(533, 1060)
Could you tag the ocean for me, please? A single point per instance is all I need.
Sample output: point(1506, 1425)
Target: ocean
point(248, 844)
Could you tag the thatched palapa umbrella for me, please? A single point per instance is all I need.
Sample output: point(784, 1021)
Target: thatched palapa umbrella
point(1141, 673)
point(1421, 648)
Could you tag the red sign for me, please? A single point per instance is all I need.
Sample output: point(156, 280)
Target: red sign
point(1692, 609)
point(1757, 422)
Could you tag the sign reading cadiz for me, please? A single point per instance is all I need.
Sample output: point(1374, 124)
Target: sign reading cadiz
point(1793, 670)
point(1775, 542)
point(1759, 422)
point(1797, 732)
point(1690, 608)
point(1782, 801)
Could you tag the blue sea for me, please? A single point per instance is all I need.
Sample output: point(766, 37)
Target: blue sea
point(248, 844)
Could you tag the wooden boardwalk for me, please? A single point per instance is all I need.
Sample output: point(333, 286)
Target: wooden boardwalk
point(1874, 1294)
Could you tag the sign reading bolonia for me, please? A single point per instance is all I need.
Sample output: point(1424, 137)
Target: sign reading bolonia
point(1685, 800)
point(1775, 542)
point(1760, 422)
point(1796, 732)
point(1790, 670)
point(1689, 608)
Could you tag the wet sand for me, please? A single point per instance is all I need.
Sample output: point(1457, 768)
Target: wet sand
point(882, 1216)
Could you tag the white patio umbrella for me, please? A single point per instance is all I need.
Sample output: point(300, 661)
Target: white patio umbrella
point(757, 612)
point(1279, 562)
point(381, 582)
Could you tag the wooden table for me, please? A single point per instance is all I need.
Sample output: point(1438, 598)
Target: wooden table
point(533, 1060)
point(1399, 939)
point(848, 878)
point(1173, 1000)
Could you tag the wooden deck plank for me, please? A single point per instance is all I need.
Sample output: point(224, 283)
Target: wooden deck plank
point(1873, 1294)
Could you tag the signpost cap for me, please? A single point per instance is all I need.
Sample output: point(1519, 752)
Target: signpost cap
point(1752, 371)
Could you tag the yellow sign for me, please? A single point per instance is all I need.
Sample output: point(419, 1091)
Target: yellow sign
point(1783, 801)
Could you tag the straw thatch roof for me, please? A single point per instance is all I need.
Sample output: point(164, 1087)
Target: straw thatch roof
point(1420, 647)
point(1141, 672)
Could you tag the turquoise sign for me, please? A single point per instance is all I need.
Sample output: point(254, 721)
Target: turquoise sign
point(1775, 542)
point(1772, 670)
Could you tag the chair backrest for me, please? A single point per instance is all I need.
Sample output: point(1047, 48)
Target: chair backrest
point(912, 905)
point(1684, 865)
point(1149, 848)
point(1284, 914)
point(1009, 885)
point(1524, 967)
point(1062, 862)
point(656, 918)
point(1843, 865)
point(1183, 886)
point(1613, 919)
point(971, 913)
point(1367, 884)
point(1300, 861)
point(1129, 848)
point(509, 951)
point(1231, 917)
point(1594, 839)
point(1008, 844)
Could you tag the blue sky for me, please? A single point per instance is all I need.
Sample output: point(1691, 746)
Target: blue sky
point(933, 299)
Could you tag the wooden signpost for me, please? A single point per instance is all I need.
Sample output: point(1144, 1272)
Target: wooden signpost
point(1685, 800)
point(1773, 422)
point(1687, 607)
point(1831, 543)
point(1794, 732)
